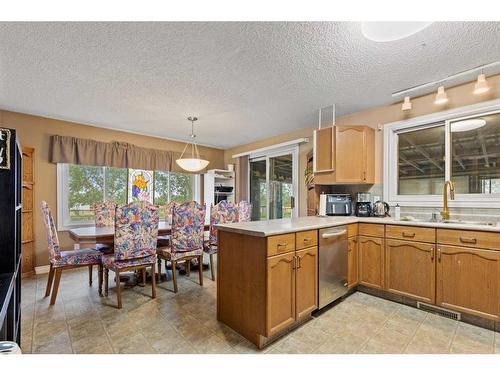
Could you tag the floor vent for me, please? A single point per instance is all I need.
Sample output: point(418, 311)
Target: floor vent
point(439, 310)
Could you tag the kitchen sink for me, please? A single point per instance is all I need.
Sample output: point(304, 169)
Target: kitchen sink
point(466, 222)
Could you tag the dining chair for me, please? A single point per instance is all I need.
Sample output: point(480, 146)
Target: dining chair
point(186, 239)
point(104, 213)
point(223, 212)
point(136, 232)
point(65, 259)
point(244, 211)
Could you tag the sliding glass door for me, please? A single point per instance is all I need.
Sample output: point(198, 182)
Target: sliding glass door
point(273, 185)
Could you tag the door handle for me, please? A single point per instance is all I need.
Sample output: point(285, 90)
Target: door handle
point(432, 254)
point(439, 255)
point(334, 234)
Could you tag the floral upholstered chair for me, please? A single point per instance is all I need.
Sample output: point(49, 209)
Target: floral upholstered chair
point(221, 213)
point(186, 240)
point(136, 232)
point(104, 217)
point(61, 260)
point(244, 211)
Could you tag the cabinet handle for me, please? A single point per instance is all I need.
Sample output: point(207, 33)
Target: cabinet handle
point(307, 240)
point(468, 240)
point(408, 235)
point(299, 259)
point(439, 255)
point(432, 254)
point(283, 244)
point(294, 264)
point(364, 176)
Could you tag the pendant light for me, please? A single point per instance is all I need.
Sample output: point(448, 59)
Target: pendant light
point(481, 85)
point(441, 96)
point(194, 163)
point(406, 104)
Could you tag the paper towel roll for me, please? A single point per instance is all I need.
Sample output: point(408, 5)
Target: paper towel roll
point(322, 205)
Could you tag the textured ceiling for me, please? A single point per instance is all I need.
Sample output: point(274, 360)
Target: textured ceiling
point(245, 81)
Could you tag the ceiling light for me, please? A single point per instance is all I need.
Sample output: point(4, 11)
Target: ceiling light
point(389, 31)
point(441, 96)
point(467, 125)
point(194, 163)
point(481, 85)
point(406, 104)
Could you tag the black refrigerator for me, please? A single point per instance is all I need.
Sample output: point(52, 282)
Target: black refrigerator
point(10, 235)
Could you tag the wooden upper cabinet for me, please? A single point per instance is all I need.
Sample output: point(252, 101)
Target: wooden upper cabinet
point(350, 157)
point(468, 280)
point(410, 269)
point(306, 281)
point(352, 263)
point(371, 261)
point(280, 292)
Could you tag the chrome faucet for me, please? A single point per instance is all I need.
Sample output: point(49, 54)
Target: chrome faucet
point(445, 214)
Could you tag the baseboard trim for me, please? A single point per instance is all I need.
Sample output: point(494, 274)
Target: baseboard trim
point(40, 270)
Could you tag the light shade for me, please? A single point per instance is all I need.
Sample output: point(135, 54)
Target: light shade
point(389, 31)
point(192, 164)
point(467, 125)
point(481, 85)
point(441, 96)
point(406, 104)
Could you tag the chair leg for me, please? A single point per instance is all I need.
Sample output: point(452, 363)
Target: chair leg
point(153, 281)
point(143, 276)
point(188, 267)
point(200, 269)
point(49, 280)
point(90, 275)
point(159, 270)
point(118, 289)
point(212, 268)
point(106, 281)
point(174, 275)
point(99, 278)
point(55, 289)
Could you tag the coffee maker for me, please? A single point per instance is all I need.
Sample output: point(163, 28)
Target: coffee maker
point(363, 205)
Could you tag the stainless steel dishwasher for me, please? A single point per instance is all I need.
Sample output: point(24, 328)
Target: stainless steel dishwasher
point(332, 264)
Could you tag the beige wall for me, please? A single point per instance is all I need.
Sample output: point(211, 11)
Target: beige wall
point(35, 131)
point(458, 96)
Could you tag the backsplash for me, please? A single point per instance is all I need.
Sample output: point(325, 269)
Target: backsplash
point(423, 213)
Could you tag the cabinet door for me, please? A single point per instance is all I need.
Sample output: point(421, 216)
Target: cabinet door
point(280, 292)
point(306, 281)
point(371, 261)
point(410, 269)
point(324, 157)
point(352, 263)
point(350, 151)
point(468, 280)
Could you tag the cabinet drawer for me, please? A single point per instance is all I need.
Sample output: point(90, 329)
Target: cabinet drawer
point(469, 238)
point(280, 244)
point(374, 230)
point(408, 233)
point(352, 230)
point(307, 238)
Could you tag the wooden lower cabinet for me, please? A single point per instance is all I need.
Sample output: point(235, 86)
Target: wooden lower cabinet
point(306, 282)
point(371, 261)
point(468, 280)
point(410, 269)
point(280, 292)
point(352, 263)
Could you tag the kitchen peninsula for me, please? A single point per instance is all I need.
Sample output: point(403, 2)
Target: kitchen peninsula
point(268, 270)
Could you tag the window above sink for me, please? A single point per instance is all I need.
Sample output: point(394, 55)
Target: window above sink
point(461, 145)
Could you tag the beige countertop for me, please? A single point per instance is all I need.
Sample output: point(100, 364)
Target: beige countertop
point(281, 226)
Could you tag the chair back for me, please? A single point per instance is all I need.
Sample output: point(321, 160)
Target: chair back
point(51, 232)
point(105, 213)
point(223, 212)
point(244, 211)
point(167, 209)
point(136, 230)
point(188, 224)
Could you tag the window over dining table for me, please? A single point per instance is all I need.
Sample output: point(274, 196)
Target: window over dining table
point(79, 186)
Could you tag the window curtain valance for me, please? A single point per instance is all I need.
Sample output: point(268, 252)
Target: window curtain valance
point(64, 149)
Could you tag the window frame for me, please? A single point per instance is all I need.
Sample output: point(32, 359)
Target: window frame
point(64, 222)
point(390, 164)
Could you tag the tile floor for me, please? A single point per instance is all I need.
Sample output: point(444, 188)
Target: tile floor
point(83, 322)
